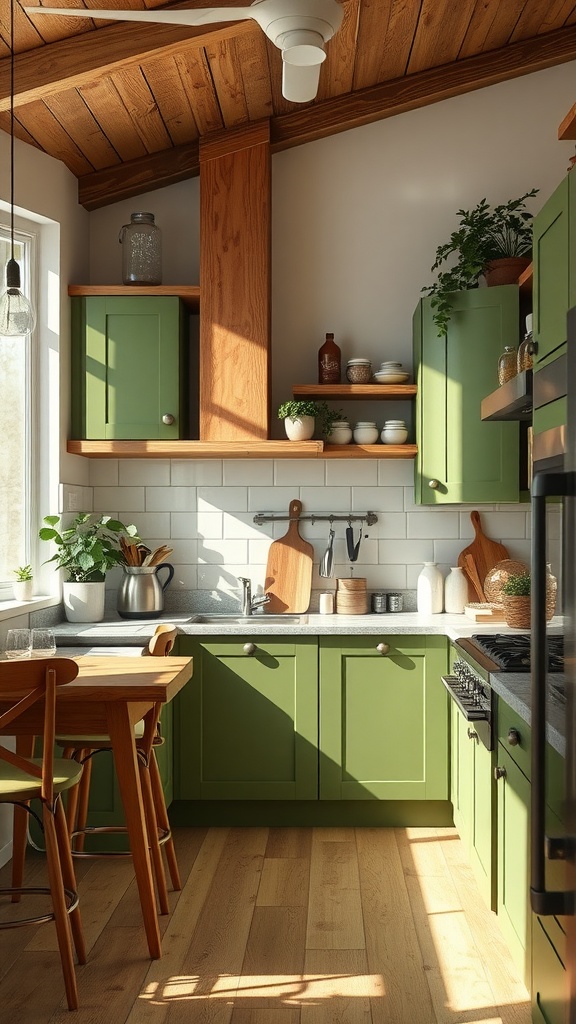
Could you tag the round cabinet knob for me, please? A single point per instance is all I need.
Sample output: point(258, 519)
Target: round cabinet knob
point(249, 649)
point(433, 484)
point(513, 737)
point(472, 734)
point(168, 419)
point(499, 772)
point(383, 648)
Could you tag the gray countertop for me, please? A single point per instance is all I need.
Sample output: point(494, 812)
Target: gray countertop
point(514, 688)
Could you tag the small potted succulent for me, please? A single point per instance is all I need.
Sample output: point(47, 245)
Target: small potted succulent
point(485, 239)
point(516, 600)
point(24, 585)
point(302, 416)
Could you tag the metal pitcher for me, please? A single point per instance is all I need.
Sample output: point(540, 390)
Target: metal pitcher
point(141, 594)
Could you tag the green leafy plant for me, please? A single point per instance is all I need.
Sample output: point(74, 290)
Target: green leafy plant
point(484, 234)
point(23, 573)
point(321, 411)
point(89, 547)
point(517, 585)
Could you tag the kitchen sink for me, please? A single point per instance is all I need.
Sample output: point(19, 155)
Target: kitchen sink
point(249, 620)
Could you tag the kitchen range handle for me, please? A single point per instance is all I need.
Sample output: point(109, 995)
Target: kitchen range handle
point(543, 901)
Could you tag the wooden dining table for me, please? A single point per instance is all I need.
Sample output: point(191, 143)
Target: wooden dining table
point(108, 697)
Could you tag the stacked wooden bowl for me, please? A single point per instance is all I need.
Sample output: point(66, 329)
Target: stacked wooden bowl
point(351, 596)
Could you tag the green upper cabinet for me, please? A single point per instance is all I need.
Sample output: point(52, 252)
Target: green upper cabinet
point(383, 718)
point(554, 258)
point(129, 368)
point(460, 458)
point(248, 720)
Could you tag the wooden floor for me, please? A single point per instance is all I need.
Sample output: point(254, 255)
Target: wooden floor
point(279, 926)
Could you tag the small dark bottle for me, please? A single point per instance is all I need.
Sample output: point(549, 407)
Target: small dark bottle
point(329, 362)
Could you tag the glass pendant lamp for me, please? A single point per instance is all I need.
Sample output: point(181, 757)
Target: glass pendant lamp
point(17, 315)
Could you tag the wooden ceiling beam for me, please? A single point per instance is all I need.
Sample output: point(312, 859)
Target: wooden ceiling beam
point(144, 174)
point(83, 59)
point(422, 88)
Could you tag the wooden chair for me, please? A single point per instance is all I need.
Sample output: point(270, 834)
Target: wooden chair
point(23, 779)
point(148, 736)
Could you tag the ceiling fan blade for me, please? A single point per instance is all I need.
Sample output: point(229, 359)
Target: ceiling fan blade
point(300, 82)
point(204, 16)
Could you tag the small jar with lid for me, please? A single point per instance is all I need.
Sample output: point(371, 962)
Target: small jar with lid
point(507, 364)
point(340, 432)
point(365, 432)
point(526, 348)
point(394, 432)
point(358, 371)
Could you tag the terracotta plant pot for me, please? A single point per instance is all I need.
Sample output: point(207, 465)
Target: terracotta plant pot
point(505, 271)
point(516, 611)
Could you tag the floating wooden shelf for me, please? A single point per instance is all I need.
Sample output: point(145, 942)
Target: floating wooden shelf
point(354, 391)
point(511, 401)
point(525, 280)
point(567, 129)
point(237, 450)
point(189, 293)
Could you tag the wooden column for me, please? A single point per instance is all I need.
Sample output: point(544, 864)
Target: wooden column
point(235, 228)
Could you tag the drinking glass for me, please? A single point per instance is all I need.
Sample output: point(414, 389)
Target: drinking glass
point(18, 643)
point(43, 643)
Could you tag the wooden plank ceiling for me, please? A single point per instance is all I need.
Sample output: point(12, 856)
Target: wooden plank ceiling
point(125, 105)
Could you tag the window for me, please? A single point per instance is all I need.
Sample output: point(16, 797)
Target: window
point(17, 420)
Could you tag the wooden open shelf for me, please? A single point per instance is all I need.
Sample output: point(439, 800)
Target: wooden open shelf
point(237, 450)
point(525, 280)
point(370, 451)
point(354, 391)
point(189, 293)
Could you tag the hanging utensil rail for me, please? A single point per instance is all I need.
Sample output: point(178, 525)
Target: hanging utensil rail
point(359, 517)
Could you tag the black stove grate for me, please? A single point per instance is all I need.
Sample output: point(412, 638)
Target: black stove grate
point(511, 652)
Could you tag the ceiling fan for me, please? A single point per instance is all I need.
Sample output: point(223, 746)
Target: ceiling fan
point(299, 28)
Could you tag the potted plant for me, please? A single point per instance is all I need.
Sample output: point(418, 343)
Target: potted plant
point(302, 416)
point(485, 240)
point(86, 550)
point(516, 600)
point(24, 585)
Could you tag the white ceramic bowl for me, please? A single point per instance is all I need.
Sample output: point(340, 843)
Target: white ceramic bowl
point(391, 378)
point(393, 435)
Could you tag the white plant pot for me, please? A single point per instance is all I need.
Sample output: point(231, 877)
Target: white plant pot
point(23, 590)
point(84, 602)
point(300, 429)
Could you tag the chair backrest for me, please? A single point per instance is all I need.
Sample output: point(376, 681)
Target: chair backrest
point(23, 684)
point(163, 641)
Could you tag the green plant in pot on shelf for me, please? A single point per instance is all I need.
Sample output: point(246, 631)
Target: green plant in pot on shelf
point(302, 416)
point(492, 241)
point(86, 550)
point(516, 600)
point(24, 585)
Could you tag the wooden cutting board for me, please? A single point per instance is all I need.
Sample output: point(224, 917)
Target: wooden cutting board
point(289, 569)
point(484, 551)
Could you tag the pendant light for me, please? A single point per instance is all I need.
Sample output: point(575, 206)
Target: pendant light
point(17, 316)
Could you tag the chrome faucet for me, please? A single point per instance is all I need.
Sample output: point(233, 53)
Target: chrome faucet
point(249, 603)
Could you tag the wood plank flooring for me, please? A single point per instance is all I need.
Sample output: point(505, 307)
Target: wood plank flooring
point(278, 926)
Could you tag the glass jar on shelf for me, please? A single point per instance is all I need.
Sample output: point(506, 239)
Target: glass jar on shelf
point(525, 359)
point(507, 367)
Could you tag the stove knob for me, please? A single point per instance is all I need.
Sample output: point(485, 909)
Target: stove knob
point(499, 772)
point(513, 737)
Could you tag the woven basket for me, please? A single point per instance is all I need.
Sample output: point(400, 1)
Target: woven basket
point(498, 576)
point(516, 611)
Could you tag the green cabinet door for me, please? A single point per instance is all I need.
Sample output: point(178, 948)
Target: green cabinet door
point(129, 367)
point(460, 458)
point(549, 986)
point(383, 718)
point(472, 795)
point(248, 720)
point(513, 860)
point(554, 259)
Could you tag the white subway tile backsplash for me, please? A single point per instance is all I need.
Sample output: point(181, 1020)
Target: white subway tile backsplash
point(396, 472)
point(170, 499)
point(496, 524)
point(519, 549)
point(390, 524)
point(326, 499)
point(340, 472)
point(446, 551)
point(258, 550)
point(436, 523)
point(271, 499)
point(248, 472)
point(121, 499)
point(132, 472)
point(222, 552)
point(196, 473)
point(210, 524)
point(299, 472)
point(103, 472)
point(216, 577)
point(378, 499)
point(184, 552)
point(241, 524)
point(222, 499)
point(151, 524)
point(185, 578)
point(405, 552)
point(184, 524)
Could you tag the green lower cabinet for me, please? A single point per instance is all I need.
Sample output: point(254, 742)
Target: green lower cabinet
point(549, 985)
point(460, 458)
point(383, 718)
point(472, 791)
point(248, 720)
point(513, 861)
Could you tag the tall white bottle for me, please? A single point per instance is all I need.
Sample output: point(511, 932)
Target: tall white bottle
point(430, 590)
point(455, 591)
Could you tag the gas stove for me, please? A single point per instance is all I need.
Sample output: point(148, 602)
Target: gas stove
point(510, 652)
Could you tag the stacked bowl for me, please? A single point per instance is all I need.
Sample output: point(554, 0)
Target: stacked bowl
point(391, 372)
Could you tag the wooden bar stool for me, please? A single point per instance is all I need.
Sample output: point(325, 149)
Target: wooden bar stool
point(148, 736)
point(23, 779)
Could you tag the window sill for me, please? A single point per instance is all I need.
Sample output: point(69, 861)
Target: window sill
point(9, 609)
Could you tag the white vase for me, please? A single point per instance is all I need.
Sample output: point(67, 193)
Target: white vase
point(84, 602)
point(299, 429)
point(455, 591)
point(429, 590)
point(23, 590)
